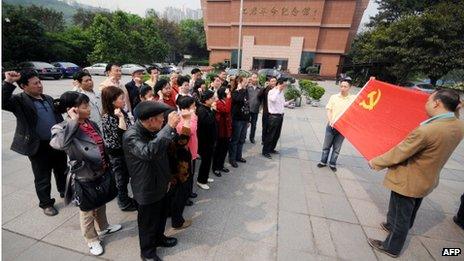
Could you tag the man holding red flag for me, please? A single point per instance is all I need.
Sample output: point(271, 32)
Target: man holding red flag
point(333, 139)
point(415, 164)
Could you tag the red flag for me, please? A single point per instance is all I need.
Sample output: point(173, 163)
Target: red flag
point(381, 117)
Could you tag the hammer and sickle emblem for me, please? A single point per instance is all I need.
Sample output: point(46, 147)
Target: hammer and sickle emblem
point(374, 98)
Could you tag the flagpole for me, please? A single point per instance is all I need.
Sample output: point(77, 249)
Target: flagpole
point(240, 36)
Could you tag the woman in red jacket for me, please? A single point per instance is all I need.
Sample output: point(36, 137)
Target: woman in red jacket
point(224, 123)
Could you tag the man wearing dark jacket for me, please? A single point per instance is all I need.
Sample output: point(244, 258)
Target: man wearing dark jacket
point(35, 115)
point(133, 88)
point(145, 147)
point(263, 98)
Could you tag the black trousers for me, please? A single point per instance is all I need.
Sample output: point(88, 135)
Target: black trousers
point(205, 165)
point(43, 162)
point(460, 214)
point(253, 121)
point(265, 123)
point(401, 214)
point(121, 176)
point(179, 196)
point(220, 153)
point(190, 179)
point(273, 132)
point(151, 219)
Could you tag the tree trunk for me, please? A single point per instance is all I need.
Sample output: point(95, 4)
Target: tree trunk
point(433, 80)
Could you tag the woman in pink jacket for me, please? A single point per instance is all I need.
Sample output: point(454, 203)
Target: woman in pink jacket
point(187, 102)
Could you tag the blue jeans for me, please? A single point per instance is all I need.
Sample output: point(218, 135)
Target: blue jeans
point(239, 131)
point(333, 140)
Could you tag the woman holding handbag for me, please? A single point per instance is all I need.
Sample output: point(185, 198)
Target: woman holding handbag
point(240, 120)
point(90, 175)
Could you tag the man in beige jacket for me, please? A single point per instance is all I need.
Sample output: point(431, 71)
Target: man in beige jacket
point(113, 70)
point(414, 166)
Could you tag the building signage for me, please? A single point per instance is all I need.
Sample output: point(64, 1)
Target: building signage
point(279, 11)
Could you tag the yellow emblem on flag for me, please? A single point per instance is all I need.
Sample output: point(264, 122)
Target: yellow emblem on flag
point(374, 97)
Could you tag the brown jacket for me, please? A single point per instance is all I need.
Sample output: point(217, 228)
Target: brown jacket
point(415, 164)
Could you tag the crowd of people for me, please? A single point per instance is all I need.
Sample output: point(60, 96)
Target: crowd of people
point(151, 135)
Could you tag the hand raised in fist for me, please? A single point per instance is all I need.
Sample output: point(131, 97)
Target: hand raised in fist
point(12, 76)
point(173, 119)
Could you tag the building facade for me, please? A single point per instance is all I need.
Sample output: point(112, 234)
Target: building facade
point(291, 35)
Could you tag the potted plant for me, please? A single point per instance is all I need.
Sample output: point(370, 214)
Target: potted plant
point(305, 86)
point(292, 93)
point(316, 94)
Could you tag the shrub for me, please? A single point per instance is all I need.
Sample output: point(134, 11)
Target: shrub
point(262, 79)
point(292, 93)
point(317, 92)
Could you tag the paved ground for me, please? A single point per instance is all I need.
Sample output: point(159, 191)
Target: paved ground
point(280, 209)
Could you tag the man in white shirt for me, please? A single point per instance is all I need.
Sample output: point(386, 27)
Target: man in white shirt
point(113, 70)
point(85, 86)
point(275, 105)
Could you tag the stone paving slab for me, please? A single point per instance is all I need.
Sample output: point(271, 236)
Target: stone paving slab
point(280, 209)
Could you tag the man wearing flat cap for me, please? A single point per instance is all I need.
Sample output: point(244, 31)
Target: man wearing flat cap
point(134, 86)
point(145, 147)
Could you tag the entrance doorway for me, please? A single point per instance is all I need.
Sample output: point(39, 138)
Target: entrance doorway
point(261, 63)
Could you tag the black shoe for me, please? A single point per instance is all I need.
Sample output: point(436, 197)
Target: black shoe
point(50, 211)
point(193, 195)
point(242, 160)
point(274, 152)
point(156, 258)
point(377, 244)
point(225, 170)
point(233, 164)
point(333, 168)
point(321, 165)
point(267, 155)
point(252, 141)
point(167, 242)
point(385, 226)
point(217, 173)
point(455, 219)
point(189, 203)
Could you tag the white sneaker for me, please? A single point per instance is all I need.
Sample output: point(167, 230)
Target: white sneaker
point(95, 248)
point(203, 186)
point(110, 229)
point(210, 180)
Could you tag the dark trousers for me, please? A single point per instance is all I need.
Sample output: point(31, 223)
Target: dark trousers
point(190, 178)
point(121, 176)
point(460, 214)
point(264, 122)
point(220, 153)
point(253, 121)
point(205, 165)
point(43, 162)
point(239, 130)
point(151, 219)
point(333, 140)
point(273, 132)
point(402, 211)
point(178, 195)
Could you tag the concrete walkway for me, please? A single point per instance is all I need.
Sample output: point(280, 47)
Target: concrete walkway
point(280, 209)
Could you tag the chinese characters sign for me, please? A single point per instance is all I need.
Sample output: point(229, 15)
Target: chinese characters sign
point(279, 11)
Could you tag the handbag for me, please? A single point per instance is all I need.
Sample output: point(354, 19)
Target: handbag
point(89, 194)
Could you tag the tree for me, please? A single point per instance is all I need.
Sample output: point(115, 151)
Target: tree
point(429, 43)
point(194, 37)
point(51, 20)
point(22, 37)
point(392, 10)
